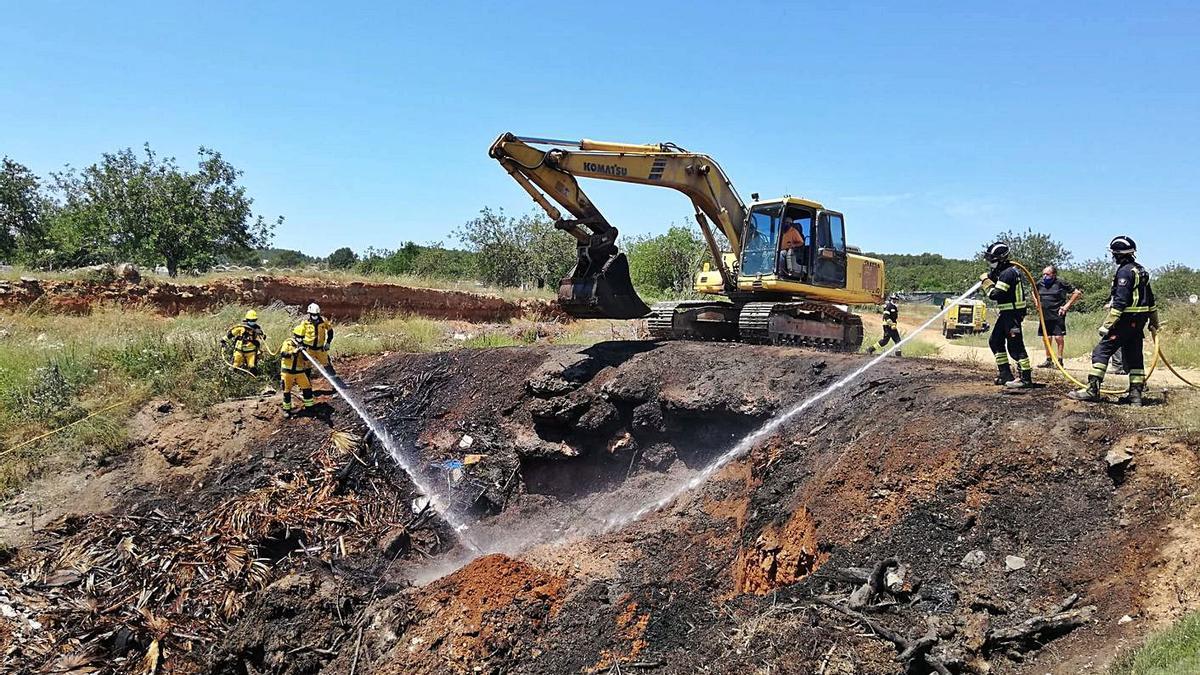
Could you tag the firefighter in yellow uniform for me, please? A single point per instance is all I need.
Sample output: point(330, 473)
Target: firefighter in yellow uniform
point(318, 336)
point(293, 370)
point(247, 338)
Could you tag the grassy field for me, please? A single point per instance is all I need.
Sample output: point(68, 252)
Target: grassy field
point(1173, 652)
point(1180, 335)
point(57, 370)
point(337, 276)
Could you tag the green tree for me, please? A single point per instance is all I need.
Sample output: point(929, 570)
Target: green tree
point(1035, 250)
point(1094, 278)
point(343, 259)
point(287, 258)
point(517, 251)
point(149, 210)
point(667, 263)
point(23, 211)
point(1175, 281)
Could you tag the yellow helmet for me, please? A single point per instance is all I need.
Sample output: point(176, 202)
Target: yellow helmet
point(298, 331)
point(252, 315)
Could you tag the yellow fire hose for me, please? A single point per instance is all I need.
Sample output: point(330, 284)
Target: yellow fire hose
point(65, 426)
point(1037, 301)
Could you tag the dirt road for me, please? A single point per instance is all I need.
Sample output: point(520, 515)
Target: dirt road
point(955, 350)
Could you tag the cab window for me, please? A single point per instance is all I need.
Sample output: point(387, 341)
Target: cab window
point(762, 237)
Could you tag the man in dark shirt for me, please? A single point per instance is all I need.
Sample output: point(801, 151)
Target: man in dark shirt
point(1057, 297)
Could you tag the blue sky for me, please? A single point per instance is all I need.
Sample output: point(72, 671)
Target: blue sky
point(931, 125)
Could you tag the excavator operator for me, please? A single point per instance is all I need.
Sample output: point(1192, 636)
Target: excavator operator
point(793, 249)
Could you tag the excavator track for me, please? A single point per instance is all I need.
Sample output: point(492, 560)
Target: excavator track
point(693, 320)
point(810, 324)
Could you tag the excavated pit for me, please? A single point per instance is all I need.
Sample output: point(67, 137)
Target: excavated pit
point(544, 447)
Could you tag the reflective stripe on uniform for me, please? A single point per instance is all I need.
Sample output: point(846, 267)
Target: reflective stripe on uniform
point(1002, 286)
point(1137, 376)
point(1002, 359)
point(1099, 369)
point(1024, 364)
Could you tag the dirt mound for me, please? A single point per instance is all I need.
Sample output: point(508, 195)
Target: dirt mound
point(972, 524)
point(338, 300)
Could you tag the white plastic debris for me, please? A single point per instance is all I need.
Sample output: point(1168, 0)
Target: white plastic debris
point(465, 442)
point(419, 504)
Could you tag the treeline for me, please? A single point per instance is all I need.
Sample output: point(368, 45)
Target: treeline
point(529, 252)
point(129, 207)
point(1036, 251)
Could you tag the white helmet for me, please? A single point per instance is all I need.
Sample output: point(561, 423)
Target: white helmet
point(314, 308)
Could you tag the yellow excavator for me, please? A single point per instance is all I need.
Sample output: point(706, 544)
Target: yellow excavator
point(786, 278)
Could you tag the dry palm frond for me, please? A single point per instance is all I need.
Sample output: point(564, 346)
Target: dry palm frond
point(345, 441)
point(174, 581)
point(149, 662)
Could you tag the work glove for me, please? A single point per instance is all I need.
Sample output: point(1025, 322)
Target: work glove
point(1111, 320)
point(987, 280)
point(1153, 323)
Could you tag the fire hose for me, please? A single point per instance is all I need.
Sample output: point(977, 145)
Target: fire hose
point(1158, 353)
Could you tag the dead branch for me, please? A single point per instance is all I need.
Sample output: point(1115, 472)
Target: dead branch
point(1039, 628)
point(909, 650)
point(875, 584)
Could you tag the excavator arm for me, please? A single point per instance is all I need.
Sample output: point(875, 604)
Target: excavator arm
point(599, 285)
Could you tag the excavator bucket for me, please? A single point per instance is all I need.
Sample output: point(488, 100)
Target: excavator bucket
point(601, 289)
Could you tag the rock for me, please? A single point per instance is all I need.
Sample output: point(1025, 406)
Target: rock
point(1118, 457)
point(601, 416)
point(558, 411)
point(1124, 620)
point(659, 456)
point(1013, 563)
point(648, 417)
point(129, 272)
point(974, 559)
point(547, 386)
point(465, 442)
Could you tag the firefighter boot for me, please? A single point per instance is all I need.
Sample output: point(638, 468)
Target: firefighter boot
point(1089, 393)
point(1134, 397)
point(1005, 376)
point(1025, 382)
point(871, 349)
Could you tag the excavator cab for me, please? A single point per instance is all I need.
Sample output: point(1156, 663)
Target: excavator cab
point(797, 241)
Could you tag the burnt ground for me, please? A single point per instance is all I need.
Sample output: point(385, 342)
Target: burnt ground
point(300, 555)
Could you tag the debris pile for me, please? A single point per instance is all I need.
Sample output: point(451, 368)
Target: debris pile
point(129, 592)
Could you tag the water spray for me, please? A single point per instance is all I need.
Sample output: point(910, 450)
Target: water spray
point(436, 501)
point(746, 444)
